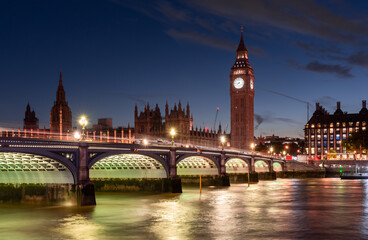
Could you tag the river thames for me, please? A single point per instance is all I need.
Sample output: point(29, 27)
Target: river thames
point(326, 208)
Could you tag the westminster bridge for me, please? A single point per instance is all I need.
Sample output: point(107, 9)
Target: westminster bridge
point(25, 160)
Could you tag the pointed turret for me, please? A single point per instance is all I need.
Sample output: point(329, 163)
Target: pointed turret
point(188, 110)
point(60, 94)
point(241, 46)
point(166, 110)
point(241, 54)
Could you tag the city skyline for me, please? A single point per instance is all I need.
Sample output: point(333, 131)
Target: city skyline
point(186, 51)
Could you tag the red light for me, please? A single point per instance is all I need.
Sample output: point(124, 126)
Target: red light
point(207, 129)
point(218, 108)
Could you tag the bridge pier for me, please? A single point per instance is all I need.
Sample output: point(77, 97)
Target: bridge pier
point(270, 166)
point(85, 188)
point(175, 181)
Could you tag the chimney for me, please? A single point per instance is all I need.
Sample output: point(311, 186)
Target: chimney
point(364, 104)
point(338, 105)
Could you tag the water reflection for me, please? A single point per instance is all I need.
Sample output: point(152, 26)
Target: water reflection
point(281, 209)
point(78, 227)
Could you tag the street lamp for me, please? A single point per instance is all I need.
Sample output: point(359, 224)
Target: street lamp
point(172, 133)
point(252, 147)
point(83, 122)
point(271, 150)
point(223, 140)
point(145, 141)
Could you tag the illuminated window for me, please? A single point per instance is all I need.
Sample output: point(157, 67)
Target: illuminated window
point(312, 126)
point(318, 131)
point(364, 123)
point(344, 130)
point(350, 124)
point(357, 129)
point(324, 143)
point(319, 125)
point(331, 124)
point(350, 130)
point(318, 137)
point(306, 126)
point(324, 137)
point(331, 137)
point(312, 150)
point(337, 124)
point(357, 124)
point(344, 136)
point(344, 124)
point(337, 136)
point(364, 128)
point(312, 137)
point(337, 149)
point(331, 130)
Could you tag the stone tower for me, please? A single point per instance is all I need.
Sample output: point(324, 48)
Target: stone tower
point(30, 120)
point(60, 115)
point(242, 99)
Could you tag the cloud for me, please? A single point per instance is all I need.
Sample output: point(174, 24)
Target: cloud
point(269, 118)
point(305, 17)
point(360, 58)
point(203, 39)
point(318, 48)
point(340, 71)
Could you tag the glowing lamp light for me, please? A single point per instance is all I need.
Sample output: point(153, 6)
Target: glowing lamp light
point(145, 141)
point(172, 132)
point(83, 121)
point(77, 135)
point(223, 140)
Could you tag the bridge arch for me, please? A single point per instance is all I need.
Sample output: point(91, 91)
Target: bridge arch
point(128, 165)
point(261, 165)
point(38, 166)
point(278, 167)
point(237, 165)
point(194, 164)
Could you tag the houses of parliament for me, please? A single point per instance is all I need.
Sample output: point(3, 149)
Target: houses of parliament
point(149, 122)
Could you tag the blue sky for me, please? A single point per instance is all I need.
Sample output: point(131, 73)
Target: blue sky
point(115, 54)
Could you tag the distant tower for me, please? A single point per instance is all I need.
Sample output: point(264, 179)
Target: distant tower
point(30, 120)
point(60, 115)
point(242, 99)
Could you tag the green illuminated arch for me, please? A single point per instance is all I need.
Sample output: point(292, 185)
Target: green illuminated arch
point(277, 167)
point(31, 168)
point(127, 166)
point(236, 165)
point(261, 166)
point(196, 165)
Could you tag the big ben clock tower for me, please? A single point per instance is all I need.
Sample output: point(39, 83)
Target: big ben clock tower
point(242, 99)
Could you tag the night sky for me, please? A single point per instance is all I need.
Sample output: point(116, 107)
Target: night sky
point(115, 54)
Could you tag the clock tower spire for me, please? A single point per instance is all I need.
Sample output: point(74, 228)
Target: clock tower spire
point(242, 99)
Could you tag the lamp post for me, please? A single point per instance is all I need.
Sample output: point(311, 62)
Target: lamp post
point(223, 140)
point(172, 133)
point(271, 150)
point(83, 122)
point(252, 147)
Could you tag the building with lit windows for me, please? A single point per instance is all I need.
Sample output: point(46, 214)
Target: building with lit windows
point(325, 132)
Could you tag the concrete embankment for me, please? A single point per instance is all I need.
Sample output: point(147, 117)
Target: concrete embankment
point(207, 180)
point(38, 193)
point(135, 185)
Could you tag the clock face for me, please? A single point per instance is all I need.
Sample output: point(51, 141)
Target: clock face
point(238, 83)
point(251, 84)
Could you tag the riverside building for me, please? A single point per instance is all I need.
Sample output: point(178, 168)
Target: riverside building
point(325, 132)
